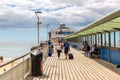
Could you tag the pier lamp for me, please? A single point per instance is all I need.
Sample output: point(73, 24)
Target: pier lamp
point(37, 13)
point(47, 31)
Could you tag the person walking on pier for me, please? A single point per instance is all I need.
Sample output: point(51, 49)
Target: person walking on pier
point(66, 48)
point(59, 48)
point(50, 48)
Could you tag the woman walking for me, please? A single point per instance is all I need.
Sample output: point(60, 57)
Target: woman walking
point(59, 48)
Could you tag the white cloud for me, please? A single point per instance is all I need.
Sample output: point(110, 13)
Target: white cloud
point(20, 13)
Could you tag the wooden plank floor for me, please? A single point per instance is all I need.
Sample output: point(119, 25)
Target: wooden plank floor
point(81, 68)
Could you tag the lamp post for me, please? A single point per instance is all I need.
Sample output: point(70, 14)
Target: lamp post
point(38, 26)
point(47, 31)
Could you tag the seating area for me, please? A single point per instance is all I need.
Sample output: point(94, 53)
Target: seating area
point(74, 46)
point(96, 54)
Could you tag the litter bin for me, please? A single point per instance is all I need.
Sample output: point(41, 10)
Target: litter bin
point(37, 64)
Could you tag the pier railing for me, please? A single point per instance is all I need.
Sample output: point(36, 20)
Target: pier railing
point(16, 69)
point(19, 68)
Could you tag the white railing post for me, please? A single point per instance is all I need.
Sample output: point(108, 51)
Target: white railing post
point(23, 68)
point(12, 71)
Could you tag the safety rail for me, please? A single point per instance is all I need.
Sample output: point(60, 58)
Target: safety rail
point(19, 68)
point(16, 69)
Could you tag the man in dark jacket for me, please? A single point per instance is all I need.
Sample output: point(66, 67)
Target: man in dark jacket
point(66, 48)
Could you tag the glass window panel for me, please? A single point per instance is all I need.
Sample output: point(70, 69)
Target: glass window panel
point(83, 38)
point(89, 40)
point(112, 39)
point(103, 39)
point(92, 39)
point(117, 40)
point(107, 39)
point(80, 40)
point(99, 38)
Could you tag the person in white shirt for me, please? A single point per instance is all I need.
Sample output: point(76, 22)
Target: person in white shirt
point(59, 48)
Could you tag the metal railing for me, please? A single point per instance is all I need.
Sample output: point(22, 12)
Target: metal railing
point(19, 68)
point(16, 69)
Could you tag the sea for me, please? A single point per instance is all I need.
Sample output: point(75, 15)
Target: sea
point(10, 52)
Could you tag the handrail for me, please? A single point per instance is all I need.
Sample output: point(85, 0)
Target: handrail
point(10, 69)
point(15, 59)
point(23, 67)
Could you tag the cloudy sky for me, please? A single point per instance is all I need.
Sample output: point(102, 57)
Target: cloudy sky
point(18, 20)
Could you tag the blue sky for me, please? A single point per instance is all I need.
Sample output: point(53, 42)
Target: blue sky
point(18, 20)
point(19, 36)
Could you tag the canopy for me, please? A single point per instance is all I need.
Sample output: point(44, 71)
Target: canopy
point(108, 23)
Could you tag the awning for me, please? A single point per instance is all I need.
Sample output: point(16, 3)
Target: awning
point(108, 23)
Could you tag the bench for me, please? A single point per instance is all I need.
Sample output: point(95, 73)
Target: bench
point(96, 54)
point(74, 46)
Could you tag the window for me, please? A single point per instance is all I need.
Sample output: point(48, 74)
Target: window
point(117, 39)
point(103, 39)
point(80, 39)
point(89, 39)
point(92, 39)
point(112, 39)
point(83, 38)
point(99, 39)
point(107, 39)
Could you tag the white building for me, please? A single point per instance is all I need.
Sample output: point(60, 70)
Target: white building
point(61, 32)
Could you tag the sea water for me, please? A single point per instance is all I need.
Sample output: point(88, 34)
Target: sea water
point(11, 52)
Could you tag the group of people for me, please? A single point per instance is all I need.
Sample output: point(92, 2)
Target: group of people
point(60, 46)
point(94, 51)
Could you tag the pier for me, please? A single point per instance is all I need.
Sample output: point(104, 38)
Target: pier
point(104, 32)
point(80, 68)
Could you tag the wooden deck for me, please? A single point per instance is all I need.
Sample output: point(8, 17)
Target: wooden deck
point(81, 68)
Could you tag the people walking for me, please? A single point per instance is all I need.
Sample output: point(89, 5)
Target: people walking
point(66, 48)
point(50, 48)
point(59, 48)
